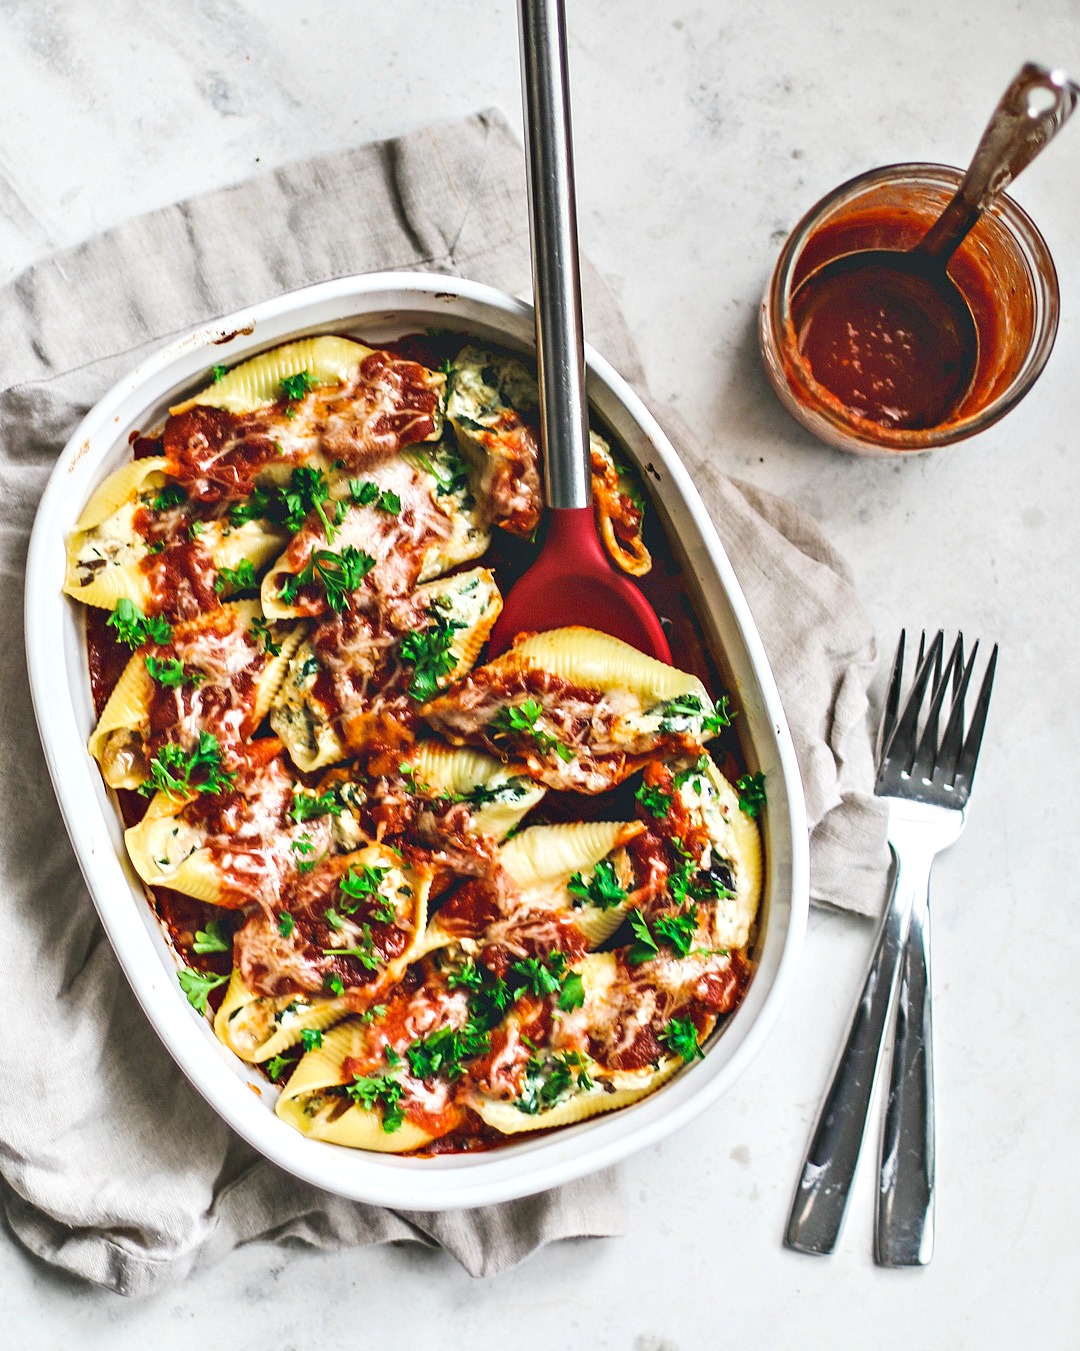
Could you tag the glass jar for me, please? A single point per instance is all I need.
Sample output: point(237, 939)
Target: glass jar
point(1003, 269)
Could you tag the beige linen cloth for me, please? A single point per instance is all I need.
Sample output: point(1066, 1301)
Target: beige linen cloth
point(113, 1167)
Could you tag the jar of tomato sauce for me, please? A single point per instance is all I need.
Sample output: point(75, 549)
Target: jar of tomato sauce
point(1003, 269)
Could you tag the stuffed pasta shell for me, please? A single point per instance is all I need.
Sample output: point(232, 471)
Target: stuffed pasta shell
point(580, 710)
point(360, 678)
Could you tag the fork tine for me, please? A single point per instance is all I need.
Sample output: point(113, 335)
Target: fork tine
point(970, 754)
point(892, 699)
point(953, 740)
point(901, 745)
point(926, 752)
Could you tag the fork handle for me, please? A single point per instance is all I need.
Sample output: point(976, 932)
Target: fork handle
point(817, 1209)
point(904, 1232)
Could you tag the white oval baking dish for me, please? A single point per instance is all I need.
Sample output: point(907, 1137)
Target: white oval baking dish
point(380, 307)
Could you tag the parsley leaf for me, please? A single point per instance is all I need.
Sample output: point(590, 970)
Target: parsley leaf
point(367, 493)
point(364, 952)
point(310, 806)
point(135, 628)
point(382, 1092)
point(255, 507)
point(286, 924)
point(335, 985)
point(523, 718)
point(338, 574)
point(751, 790)
point(680, 1036)
point(171, 495)
point(719, 718)
point(197, 985)
point(277, 1065)
point(240, 578)
point(260, 631)
point(602, 889)
point(171, 674)
point(573, 993)
point(539, 977)
point(294, 387)
point(677, 931)
point(430, 653)
point(172, 770)
point(217, 373)
point(645, 949)
point(306, 492)
point(362, 885)
point(656, 802)
point(311, 1037)
point(211, 939)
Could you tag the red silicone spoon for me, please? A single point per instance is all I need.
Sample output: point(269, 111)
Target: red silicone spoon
point(572, 581)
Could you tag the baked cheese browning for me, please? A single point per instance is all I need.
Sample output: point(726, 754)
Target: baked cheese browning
point(353, 420)
point(355, 921)
point(357, 684)
point(214, 674)
point(578, 709)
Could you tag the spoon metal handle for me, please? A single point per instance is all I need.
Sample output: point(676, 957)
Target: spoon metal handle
point(1033, 109)
point(564, 425)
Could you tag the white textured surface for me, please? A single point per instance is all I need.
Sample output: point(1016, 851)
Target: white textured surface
point(703, 132)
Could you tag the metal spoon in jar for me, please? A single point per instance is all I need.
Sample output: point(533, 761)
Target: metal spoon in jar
point(887, 330)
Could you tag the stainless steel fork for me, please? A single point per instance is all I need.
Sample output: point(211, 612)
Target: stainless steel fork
point(926, 779)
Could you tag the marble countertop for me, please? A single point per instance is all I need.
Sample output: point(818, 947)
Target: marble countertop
point(703, 132)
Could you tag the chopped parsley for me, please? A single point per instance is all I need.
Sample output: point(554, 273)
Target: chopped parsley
point(523, 718)
point(255, 507)
point(677, 931)
point(260, 631)
point(430, 653)
point(338, 574)
point(719, 718)
point(133, 627)
point(286, 924)
point(217, 373)
point(537, 976)
point(573, 992)
point(335, 985)
point(211, 939)
point(170, 496)
point(382, 1092)
point(655, 801)
point(311, 1037)
point(181, 773)
point(446, 1050)
point(363, 885)
point(602, 889)
point(364, 952)
point(680, 1036)
point(240, 578)
point(333, 918)
point(306, 492)
point(195, 529)
point(370, 1014)
point(294, 387)
point(278, 1064)
point(197, 985)
point(170, 672)
point(310, 806)
point(751, 790)
point(367, 493)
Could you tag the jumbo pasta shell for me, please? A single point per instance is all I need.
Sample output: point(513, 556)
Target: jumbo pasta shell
point(608, 1092)
point(306, 1104)
point(472, 599)
point(259, 1027)
point(457, 771)
point(116, 743)
point(166, 852)
point(123, 485)
point(598, 661)
point(547, 855)
point(308, 735)
point(257, 383)
point(254, 542)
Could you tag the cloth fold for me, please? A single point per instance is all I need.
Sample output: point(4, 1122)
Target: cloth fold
point(113, 1167)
